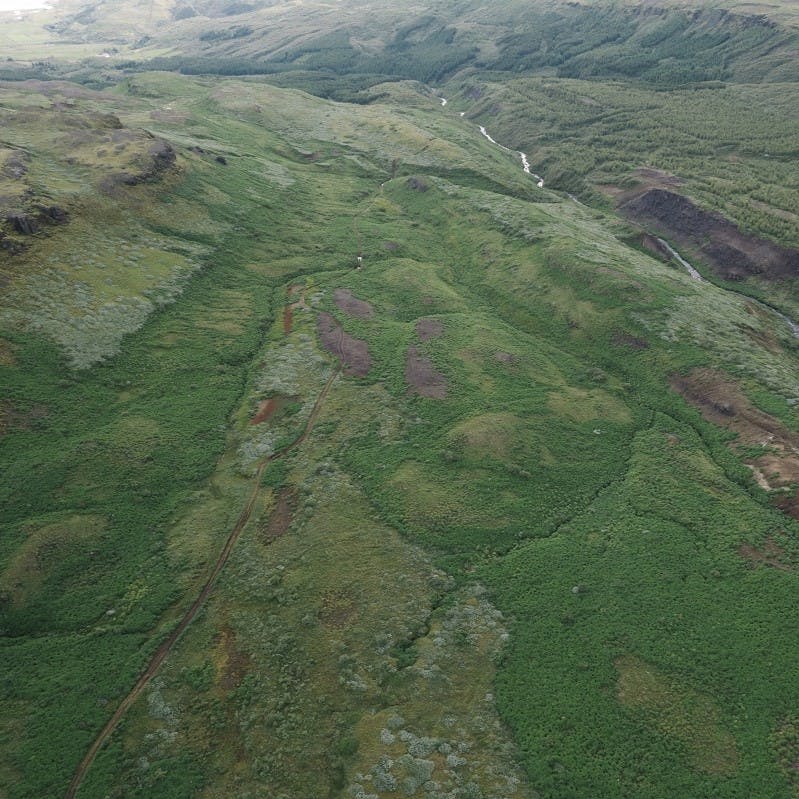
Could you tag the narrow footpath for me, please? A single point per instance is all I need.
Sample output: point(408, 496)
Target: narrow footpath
point(169, 643)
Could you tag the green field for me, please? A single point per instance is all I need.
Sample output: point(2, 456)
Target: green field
point(505, 500)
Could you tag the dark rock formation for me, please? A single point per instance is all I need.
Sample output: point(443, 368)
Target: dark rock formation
point(729, 252)
point(417, 184)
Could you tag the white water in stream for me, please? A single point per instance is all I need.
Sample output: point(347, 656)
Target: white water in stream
point(793, 326)
point(674, 254)
point(525, 162)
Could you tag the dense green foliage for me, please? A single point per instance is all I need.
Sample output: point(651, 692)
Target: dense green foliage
point(508, 559)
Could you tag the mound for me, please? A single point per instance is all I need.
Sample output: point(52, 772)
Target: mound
point(423, 379)
point(352, 352)
point(429, 328)
point(351, 305)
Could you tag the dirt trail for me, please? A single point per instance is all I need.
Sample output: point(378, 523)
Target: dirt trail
point(166, 647)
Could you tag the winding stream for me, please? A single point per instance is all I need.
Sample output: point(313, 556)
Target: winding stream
point(793, 326)
point(525, 162)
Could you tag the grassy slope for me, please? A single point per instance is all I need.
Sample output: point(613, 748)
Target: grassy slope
point(602, 513)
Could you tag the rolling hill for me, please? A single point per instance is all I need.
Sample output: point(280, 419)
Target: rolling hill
point(364, 431)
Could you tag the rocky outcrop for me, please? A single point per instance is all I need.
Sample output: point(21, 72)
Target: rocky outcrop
point(729, 252)
point(160, 158)
point(28, 223)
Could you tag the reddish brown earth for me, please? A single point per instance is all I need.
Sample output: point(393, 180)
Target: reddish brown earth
point(266, 410)
point(351, 305)
point(423, 379)
point(352, 352)
point(269, 407)
point(730, 253)
point(721, 401)
point(427, 328)
point(236, 663)
point(281, 517)
point(291, 306)
point(771, 554)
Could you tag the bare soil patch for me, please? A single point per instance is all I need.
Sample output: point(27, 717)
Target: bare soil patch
point(288, 318)
point(351, 305)
point(233, 665)
point(423, 379)
point(12, 418)
point(656, 177)
point(266, 410)
point(721, 401)
point(352, 352)
point(629, 341)
point(338, 608)
point(427, 328)
point(789, 504)
point(506, 357)
point(770, 554)
point(281, 517)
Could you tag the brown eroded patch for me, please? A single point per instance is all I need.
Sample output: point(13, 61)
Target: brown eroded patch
point(13, 419)
point(231, 664)
point(338, 608)
point(351, 305)
point(506, 357)
point(266, 410)
point(427, 328)
point(289, 308)
point(656, 177)
point(770, 554)
point(352, 352)
point(765, 336)
point(631, 342)
point(678, 711)
point(423, 379)
point(721, 401)
point(7, 354)
point(281, 517)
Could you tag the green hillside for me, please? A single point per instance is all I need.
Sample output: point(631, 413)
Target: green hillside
point(341, 459)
